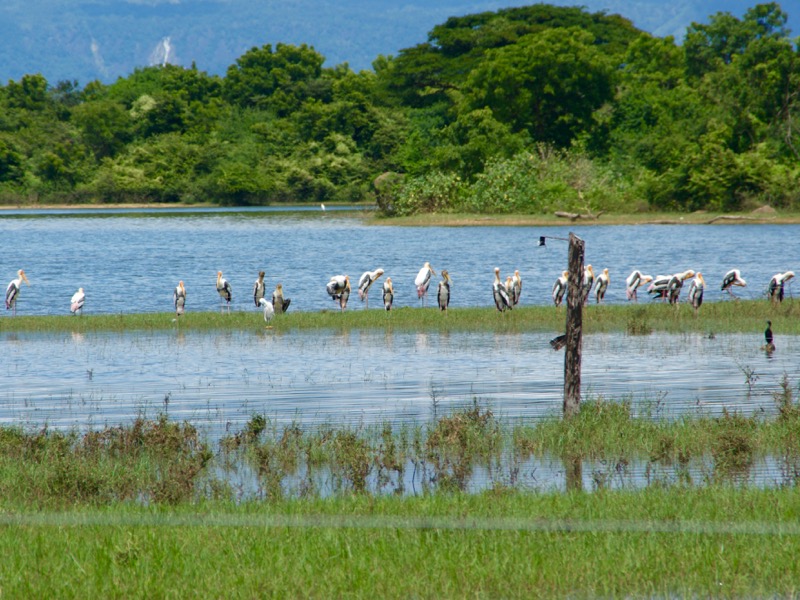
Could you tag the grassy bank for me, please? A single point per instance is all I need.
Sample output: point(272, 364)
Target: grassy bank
point(635, 319)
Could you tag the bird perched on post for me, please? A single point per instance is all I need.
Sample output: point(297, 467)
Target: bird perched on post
point(13, 290)
point(601, 285)
point(179, 299)
point(443, 295)
point(279, 303)
point(501, 299)
point(258, 289)
point(365, 283)
point(388, 294)
point(776, 285)
point(634, 281)
point(224, 289)
point(77, 302)
point(560, 288)
point(732, 278)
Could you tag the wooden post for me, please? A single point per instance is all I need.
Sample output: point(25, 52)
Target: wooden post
point(572, 355)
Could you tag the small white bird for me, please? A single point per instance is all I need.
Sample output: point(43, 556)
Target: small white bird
point(388, 294)
point(13, 290)
point(365, 282)
point(77, 302)
point(423, 281)
point(269, 312)
point(224, 289)
point(560, 288)
point(601, 285)
point(179, 299)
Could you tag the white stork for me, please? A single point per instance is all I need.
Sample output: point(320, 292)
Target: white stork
point(423, 281)
point(365, 282)
point(601, 285)
point(388, 294)
point(732, 278)
point(675, 285)
point(501, 299)
point(279, 303)
point(179, 299)
point(338, 289)
point(560, 288)
point(658, 287)
point(76, 302)
point(776, 285)
point(269, 311)
point(224, 289)
point(13, 290)
point(634, 281)
point(588, 281)
point(443, 294)
point(516, 282)
point(258, 289)
point(696, 290)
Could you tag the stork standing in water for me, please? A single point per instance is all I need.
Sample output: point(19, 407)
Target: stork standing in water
point(365, 282)
point(601, 285)
point(224, 290)
point(13, 290)
point(501, 299)
point(696, 290)
point(675, 285)
point(732, 278)
point(560, 288)
point(776, 285)
point(258, 289)
point(338, 289)
point(588, 281)
point(516, 282)
point(279, 303)
point(423, 281)
point(443, 295)
point(634, 281)
point(388, 294)
point(658, 287)
point(77, 302)
point(179, 299)
point(269, 311)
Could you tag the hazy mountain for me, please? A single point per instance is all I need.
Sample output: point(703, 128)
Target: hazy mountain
point(105, 39)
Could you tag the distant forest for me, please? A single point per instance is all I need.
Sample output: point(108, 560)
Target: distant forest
point(525, 110)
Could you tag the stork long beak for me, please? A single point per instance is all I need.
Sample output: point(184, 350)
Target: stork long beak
point(24, 277)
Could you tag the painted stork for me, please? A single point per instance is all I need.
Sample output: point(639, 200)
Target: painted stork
point(179, 299)
point(501, 299)
point(13, 290)
point(732, 278)
point(423, 281)
point(776, 284)
point(601, 285)
point(388, 294)
point(269, 311)
point(588, 281)
point(634, 281)
point(768, 338)
point(443, 294)
point(560, 288)
point(658, 287)
point(675, 285)
point(77, 302)
point(336, 285)
point(516, 281)
point(224, 289)
point(365, 282)
point(696, 290)
point(258, 289)
point(279, 303)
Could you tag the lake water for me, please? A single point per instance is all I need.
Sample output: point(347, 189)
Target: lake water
point(130, 261)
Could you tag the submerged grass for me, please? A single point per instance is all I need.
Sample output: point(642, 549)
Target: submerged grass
point(640, 319)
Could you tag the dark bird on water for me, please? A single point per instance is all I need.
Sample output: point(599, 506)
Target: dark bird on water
point(768, 338)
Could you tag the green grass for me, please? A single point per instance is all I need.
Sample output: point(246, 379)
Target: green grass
point(644, 318)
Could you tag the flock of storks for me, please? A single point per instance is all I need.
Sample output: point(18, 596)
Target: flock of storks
point(506, 293)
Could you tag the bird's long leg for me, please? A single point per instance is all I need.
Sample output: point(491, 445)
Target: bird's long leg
point(366, 298)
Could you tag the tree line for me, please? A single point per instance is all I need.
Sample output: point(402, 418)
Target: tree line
point(526, 110)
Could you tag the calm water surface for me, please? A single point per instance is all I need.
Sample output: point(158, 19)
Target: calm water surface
point(131, 261)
